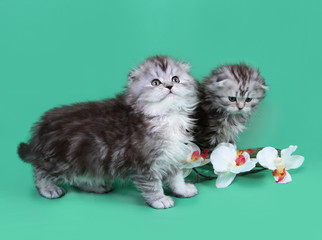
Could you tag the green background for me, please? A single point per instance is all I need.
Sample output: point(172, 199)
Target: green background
point(61, 52)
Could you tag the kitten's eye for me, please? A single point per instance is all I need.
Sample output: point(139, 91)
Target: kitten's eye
point(155, 82)
point(248, 99)
point(232, 99)
point(175, 79)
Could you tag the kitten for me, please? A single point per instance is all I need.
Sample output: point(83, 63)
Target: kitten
point(140, 135)
point(228, 96)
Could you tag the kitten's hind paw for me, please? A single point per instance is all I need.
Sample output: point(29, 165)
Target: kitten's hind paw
point(51, 192)
point(188, 191)
point(162, 203)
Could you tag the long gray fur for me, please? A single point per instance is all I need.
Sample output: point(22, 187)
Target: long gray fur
point(219, 119)
point(139, 135)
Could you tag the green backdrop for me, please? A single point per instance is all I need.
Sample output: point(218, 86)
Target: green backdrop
point(55, 52)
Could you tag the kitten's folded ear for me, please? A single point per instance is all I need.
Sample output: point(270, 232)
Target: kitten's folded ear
point(132, 75)
point(185, 66)
point(265, 87)
point(220, 83)
point(261, 82)
point(220, 78)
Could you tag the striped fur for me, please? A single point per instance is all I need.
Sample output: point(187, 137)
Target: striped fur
point(140, 135)
point(228, 96)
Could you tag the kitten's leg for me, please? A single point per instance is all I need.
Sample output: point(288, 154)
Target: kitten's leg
point(152, 192)
point(179, 187)
point(46, 186)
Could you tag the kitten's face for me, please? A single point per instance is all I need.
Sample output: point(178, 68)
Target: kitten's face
point(161, 84)
point(236, 89)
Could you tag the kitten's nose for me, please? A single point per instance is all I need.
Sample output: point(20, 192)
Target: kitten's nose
point(169, 86)
point(240, 106)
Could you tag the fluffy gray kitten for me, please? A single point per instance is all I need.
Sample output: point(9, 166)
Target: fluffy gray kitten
point(228, 96)
point(140, 135)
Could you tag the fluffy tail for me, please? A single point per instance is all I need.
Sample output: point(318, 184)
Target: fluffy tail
point(25, 153)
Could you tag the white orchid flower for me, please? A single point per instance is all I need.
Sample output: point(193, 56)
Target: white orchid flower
point(268, 158)
point(228, 162)
point(194, 159)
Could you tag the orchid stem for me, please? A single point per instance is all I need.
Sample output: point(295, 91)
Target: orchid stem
point(199, 174)
point(201, 177)
point(252, 171)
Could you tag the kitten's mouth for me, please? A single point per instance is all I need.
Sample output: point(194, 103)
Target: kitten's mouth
point(169, 95)
point(238, 112)
point(235, 112)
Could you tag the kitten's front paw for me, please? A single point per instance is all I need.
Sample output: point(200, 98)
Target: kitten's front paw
point(188, 191)
point(51, 191)
point(162, 203)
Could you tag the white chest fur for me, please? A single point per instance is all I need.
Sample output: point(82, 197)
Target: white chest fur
point(172, 129)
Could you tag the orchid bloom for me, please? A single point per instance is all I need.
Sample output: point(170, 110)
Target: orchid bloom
point(194, 159)
point(268, 158)
point(228, 162)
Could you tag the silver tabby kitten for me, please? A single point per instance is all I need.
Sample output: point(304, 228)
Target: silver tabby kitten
point(228, 95)
point(140, 135)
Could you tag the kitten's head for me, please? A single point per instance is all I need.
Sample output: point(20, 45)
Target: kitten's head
point(236, 89)
point(161, 84)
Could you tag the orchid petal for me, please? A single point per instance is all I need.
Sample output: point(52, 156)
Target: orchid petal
point(192, 164)
point(186, 172)
point(193, 147)
point(204, 162)
point(247, 166)
point(247, 156)
point(293, 162)
point(225, 179)
point(287, 152)
point(286, 179)
point(254, 160)
point(266, 157)
point(223, 155)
